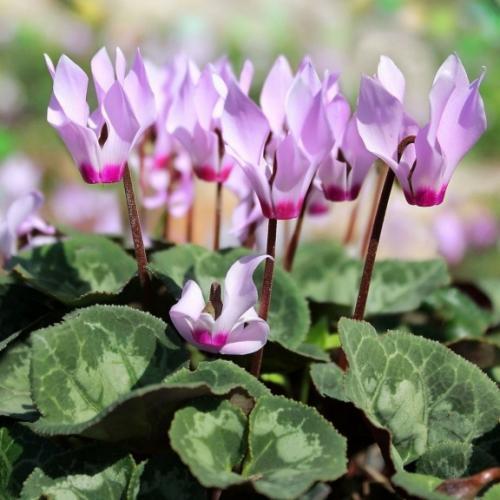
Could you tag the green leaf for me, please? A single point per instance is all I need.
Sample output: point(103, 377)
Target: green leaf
point(20, 307)
point(20, 452)
point(491, 287)
point(165, 476)
point(84, 474)
point(326, 274)
point(419, 390)
point(96, 356)
point(175, 265)
point(77, 271)
point(446, 460)
point(492, 493)
point(291, 446)
point(328, 378)
point(288, 318)
point(220, 376)
point(457, 315)
point(419, 485)
point(209, 436)
point(140, 415)
point(15, 393)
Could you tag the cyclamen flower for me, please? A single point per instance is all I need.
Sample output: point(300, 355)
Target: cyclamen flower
point(228, 326)
point(281, 146)
point(100, 143)
point(21, 222)
point(195, 115)
point(317, 203)
point(172, 185)
point(457, 120)
point(343, 171)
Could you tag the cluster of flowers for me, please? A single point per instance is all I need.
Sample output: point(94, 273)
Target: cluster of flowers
point(302, 145)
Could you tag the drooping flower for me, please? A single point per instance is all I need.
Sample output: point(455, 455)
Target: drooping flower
point(172, 185)
point(279, 151)
point(22, 227)
point(457, 120)
point(226, 326)
point(343, 171)
point(247, 217)
point(194, 118)
point(100, 143)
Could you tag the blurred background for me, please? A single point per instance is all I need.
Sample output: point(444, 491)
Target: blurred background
point(345, 36)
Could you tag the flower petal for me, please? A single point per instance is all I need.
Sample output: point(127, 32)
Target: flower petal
point(379, 120)
point(188, 309)
point(244, 126)
point(249, 336)
point(240, 292)
point(390, 76)
point(274, 93)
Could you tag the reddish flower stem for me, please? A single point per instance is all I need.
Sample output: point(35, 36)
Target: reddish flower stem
point(190, 224)
point(267, 284)
point(376, 230)
point(218, 215)
point(294, 241)
point(351, 225)
point(373, 211)
point(135, 227)
point(469, 487)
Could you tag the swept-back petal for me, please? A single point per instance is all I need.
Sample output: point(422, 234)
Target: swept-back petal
point(390, 76)
point(274, 92)
point(70, 90)
point(240, 292)
point(103, 73)
point(244, 127)
point(379, 120)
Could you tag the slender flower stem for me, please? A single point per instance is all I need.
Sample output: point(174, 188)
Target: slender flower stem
point(376, 197)
point(364, 287)
point(376, 230)
point(351, 225)
point(218, 215)
point(166, 225)
point(267, 284)
point(294, 241)
point(250, 239)
point(190, 223)
point(135, 226)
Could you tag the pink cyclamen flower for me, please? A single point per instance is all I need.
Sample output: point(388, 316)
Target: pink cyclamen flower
point(100, 143)
point(457, 120)
point(317, 204)
point(228, 326)
point(247, 216)
point(343, 171)
point(172, 185)
point(21, 226)
point(281, 146)
point(194, 118)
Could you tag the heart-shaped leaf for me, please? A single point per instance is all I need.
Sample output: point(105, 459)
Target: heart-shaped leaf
point(96, 356)
point(424, 394)
point(77, 271)
point(209, 438)
point(15, 392)
point(290, 446)
point(326, 274)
